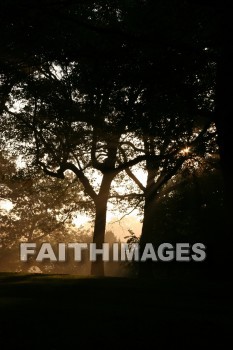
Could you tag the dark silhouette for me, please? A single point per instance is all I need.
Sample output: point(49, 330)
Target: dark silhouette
point(93, 89)
point(129, 71)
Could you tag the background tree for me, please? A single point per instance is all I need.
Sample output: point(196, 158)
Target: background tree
point(38, 207)
point(169, 151)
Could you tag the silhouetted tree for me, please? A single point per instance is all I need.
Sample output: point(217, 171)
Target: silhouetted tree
point(103, 71)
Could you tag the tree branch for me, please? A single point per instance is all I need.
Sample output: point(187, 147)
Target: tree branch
point(135, 179)
point(126, 214)
point(130, 195)
point(95, 163)
point(136, 149)
point(79, 173)
point(130, 173)
point(81, 176)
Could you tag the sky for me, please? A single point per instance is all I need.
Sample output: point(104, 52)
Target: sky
point(118, 225)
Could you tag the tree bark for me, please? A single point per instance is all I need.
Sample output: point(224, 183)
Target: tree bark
point(97, 267)
point(148, 226)
point(223, 115)
point(146, 269)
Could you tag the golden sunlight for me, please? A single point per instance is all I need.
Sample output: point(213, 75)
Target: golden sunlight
point(185, 151)
point(6, 205)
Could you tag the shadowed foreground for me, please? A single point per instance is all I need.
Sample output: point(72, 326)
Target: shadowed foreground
point(61, 311)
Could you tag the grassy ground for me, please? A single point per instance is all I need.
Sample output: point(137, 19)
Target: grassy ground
point(62, 311)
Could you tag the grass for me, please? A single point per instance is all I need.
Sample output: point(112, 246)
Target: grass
point(63, 311)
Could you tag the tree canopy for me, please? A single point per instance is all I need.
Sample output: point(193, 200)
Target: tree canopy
point(99, 87)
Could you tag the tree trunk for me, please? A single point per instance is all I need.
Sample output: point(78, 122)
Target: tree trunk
point(148, 226)
point(223, 115)
point(148, 235)
point(97, 267)
point(224, 93)
point(146, 268)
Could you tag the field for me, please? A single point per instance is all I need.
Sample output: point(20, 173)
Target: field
point(63, 311)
